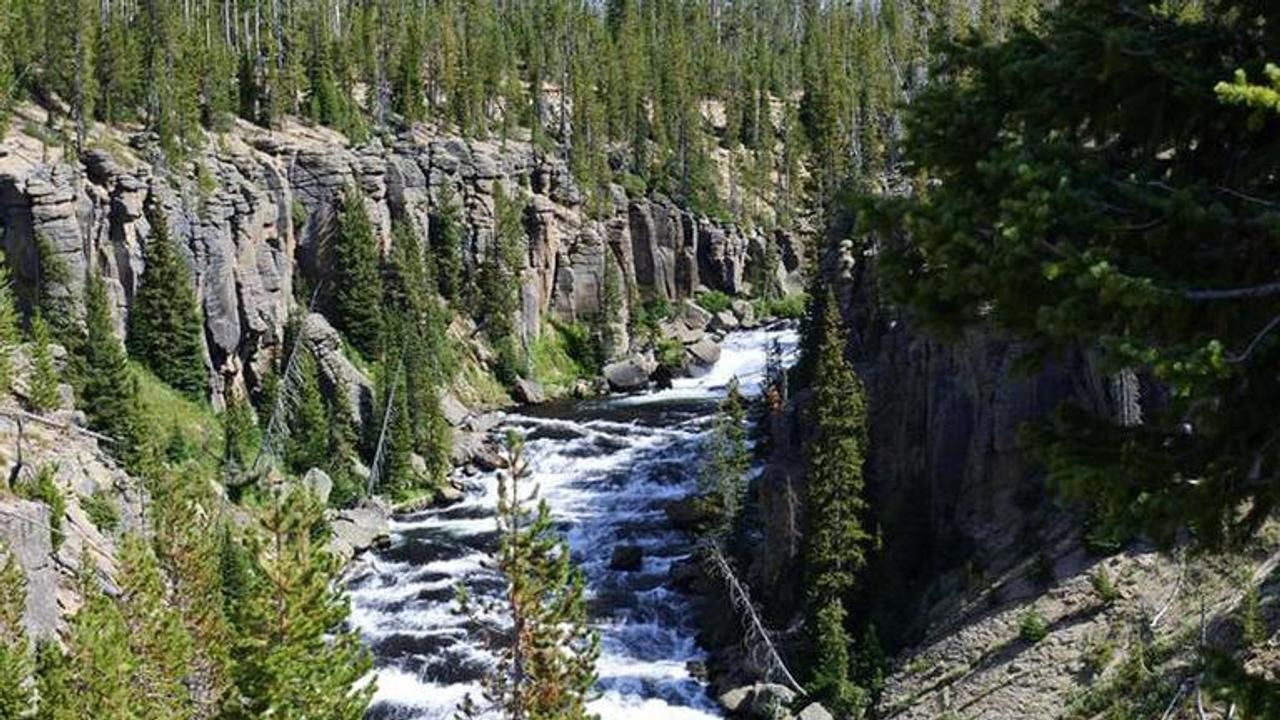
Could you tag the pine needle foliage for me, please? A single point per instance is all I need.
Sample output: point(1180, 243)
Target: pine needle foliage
point(166, 330)
point(830, 680)
point(357, 295)
point(293, 659)
point(109, 395)
point(546, 662)
point(9, 334)
point(1106, 182)
point(723, 480)
point(42, 389)
point(835, 542)
point(16, 662)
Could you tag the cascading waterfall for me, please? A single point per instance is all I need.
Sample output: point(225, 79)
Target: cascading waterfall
point(607, 468)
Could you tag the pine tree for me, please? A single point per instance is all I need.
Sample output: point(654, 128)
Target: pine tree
point(15, 651)
point(723, 479)
point(835, 541)
point(97, 672)
point(109, 392)
point(308, 439)
point(9, 335)
point(294, 660)
point(188, 547)
point(239, 437)
point(830, 681)
point(159, 645)
point(447, 244)
point(433, 437)
point(546, 665)
point(53, 684)
point(398, 476)
point(357, 299)
point(42, 392)
point(498, 285)
point(165, 328)
point(343, 446)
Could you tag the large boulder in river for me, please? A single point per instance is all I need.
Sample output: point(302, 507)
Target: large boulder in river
point(627, 558)
point(703, 354)
point(689, 513)
point(358, 529)
point(629, 374)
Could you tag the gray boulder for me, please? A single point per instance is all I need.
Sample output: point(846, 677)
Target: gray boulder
point(629, 374)
point(319, 484)
point(358, 529)
point(724, 321)
point(815, 711)
point(529, 392)
point(695, 316)
point(768, 699)
point(704, 353)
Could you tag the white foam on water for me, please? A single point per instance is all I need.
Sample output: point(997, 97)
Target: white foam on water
point(605, 481)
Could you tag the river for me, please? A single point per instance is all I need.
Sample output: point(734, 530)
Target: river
point(606, 467)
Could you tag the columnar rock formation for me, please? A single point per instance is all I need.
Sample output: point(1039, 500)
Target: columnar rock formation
point(254, 208)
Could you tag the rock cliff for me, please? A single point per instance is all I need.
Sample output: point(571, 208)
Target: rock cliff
point(254, 207)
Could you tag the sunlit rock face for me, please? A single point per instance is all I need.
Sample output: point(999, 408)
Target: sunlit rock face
point(254, 210)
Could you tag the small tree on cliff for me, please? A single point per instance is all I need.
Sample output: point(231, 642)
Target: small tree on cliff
point(834, 542)
point(94, 678)
point(357, 298)
point(546, 666)
point(308, 443)
point(446, 244)
point(109, 393)
point(165, 328)
point(42, 389)
point(829, 679)
point(9, 334)
point(499, 284)
point(15, 651)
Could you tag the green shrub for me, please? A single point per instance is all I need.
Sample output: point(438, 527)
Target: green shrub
point(787, 307)
point(714, 301)
point(102, 510)
point(1032, 627)
point(1104, 587)
point(1098, 655)
point(670, 353)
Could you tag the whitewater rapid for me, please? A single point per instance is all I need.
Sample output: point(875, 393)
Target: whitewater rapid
point(606, 468)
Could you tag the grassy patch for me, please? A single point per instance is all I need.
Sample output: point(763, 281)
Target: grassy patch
point(188, 428)
point(476, 387)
